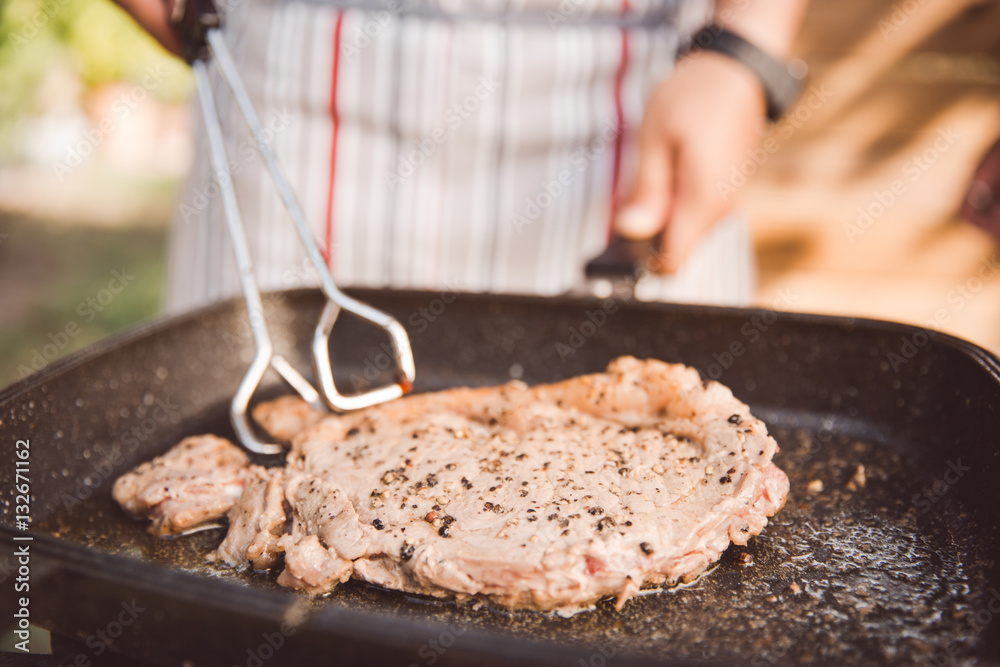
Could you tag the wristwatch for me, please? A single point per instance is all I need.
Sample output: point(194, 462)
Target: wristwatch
point(781, 88)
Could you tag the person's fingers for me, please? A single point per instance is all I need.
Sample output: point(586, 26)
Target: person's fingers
point(646, 211)
point(688, 222)
point(166, 37)
point(154, 16)
point(696, 126)
point(695, 210)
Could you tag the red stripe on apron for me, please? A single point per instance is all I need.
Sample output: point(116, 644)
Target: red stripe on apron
point(328, 247)
point(620, 118)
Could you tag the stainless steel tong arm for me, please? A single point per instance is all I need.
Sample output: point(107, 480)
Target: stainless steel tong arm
point(337, 300)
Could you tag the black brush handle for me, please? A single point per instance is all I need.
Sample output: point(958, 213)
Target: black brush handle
point(623, 258)
point(191, 20)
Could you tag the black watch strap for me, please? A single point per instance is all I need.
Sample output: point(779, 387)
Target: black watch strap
point(780, 87)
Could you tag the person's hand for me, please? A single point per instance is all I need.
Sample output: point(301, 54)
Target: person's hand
point(698, 125)
point(154, 17)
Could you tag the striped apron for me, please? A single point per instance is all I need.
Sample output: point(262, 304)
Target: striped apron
point(467, 145)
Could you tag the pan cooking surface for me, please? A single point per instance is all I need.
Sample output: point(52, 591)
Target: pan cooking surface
point(865, 575)
point(871, 575)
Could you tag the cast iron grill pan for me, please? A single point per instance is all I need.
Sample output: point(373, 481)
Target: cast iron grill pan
point(900, 570)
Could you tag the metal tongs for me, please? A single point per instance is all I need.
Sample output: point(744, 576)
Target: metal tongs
point(197, 24)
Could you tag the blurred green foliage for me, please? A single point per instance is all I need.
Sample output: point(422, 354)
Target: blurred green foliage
point(58, 269)
point(94, 38)
point(50, 270)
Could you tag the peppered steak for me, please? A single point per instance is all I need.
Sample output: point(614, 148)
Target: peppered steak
point(546, 497)
point(196, 481)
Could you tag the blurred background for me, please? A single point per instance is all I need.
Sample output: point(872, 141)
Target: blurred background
point(94, 143)
point(854, 213)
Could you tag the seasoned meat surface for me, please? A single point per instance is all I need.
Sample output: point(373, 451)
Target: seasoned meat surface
point(196, 481)
point(256, 521)
point(286, 416)
point(546, 497)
